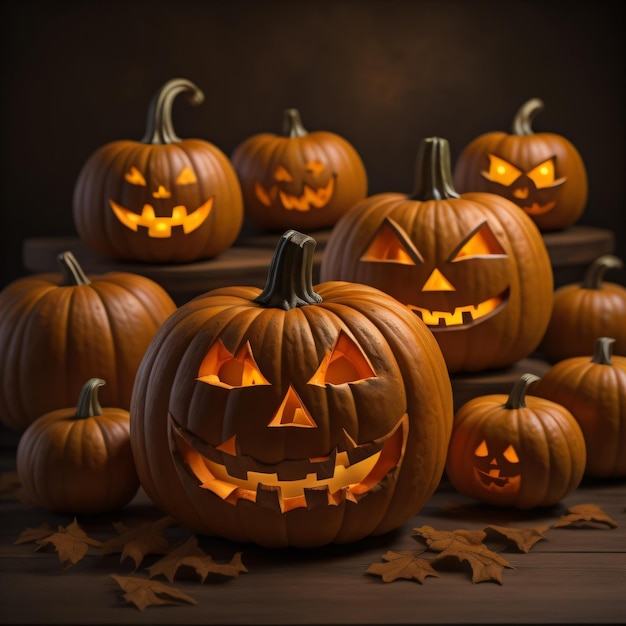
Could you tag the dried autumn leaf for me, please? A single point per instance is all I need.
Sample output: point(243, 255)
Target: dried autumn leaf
point(405, 564)
point(523, 538)
point(206, 565)
point(585, 515)
point(32, 535)
point(144, 593)
point(71, 542)
point(439, 540)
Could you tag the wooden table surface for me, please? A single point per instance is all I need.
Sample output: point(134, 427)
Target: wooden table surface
point(574, 575)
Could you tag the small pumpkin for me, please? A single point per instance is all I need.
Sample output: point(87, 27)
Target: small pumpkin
point(582, 312)
point(162, 199)
point(542, 173)
point(294, 415)
point(57, 329)
point(79, 460)
point(593, 388)
point(298, 179)
point(517, 451)
point(472, 266)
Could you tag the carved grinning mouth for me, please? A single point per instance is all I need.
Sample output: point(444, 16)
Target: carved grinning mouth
point(310, 197)
point(495, 482)
point(308, 483)
point(538, 209)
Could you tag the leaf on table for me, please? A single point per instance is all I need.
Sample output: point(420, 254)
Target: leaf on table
point(585, 515)
point(523, 538)
point(405, 564)
point(144, 593)
point(438, 540)
point(205, 565)
point(32, 535)
point(71, 542)
point(139, 541)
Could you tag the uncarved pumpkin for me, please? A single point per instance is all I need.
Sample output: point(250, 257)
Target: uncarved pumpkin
point(292, 416)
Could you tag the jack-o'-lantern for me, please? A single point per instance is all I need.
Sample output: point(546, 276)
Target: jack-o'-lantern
point(517, 450)
point(292, 416)
point(162, 199)
point(473, 267)
point(542, 173)
point(298, 179)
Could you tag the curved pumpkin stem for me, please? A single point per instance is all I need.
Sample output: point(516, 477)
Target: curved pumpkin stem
point(292, 124)
point(290, 277)
point(517, 397)
point(595, 272)
point(88, 404)
point(159, 128)
point(603, 350)
point(73, 274)
point(433, 175)
point(522, 123)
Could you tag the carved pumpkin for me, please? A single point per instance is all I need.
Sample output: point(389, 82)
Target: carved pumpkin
point(582, 312)
point(594, 390)
point(298, 180)
point(162, 199)
point(292, 416)
point(58, 329)
point(473, 266)
point(79, 460)
point(518, 451)
point(542, 173)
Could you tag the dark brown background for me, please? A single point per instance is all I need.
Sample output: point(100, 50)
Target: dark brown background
point(382, 73)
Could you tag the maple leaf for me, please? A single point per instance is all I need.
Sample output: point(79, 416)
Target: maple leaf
point(71, 542)
point(523, 538)
point(405, 564)
point(438, 540)
point(585, 515)
point(139, 541)
point(144, 593)
point(32, 535)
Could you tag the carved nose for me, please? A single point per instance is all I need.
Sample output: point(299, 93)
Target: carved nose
point(521, 194)
point(161, 192)
point(437, 282)
point(292, 412)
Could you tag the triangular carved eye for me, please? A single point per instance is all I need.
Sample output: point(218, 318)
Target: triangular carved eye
point(510, 455)
point(135, 177)
point(543, 174)
point(501, 171)
point(480, 243)
point(344, 363)
point(391, 245)
point(482, 450)
point(220, 367)
point(186, 177)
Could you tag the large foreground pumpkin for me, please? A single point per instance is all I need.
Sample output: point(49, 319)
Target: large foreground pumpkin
point(292, 416)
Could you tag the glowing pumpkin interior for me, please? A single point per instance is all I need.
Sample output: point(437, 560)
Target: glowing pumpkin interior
point(497, 469)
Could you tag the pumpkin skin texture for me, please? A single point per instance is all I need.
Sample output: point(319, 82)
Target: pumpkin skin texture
point(298, 179)
point(582, 312)
point(543, 173)
point(250, 403)
point(58, 329)
point(594, 390)
point(162, 199)
point(473, 266)
point(517, 451)
point(79, 460)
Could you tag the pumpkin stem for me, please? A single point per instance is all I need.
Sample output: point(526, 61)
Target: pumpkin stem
point(88, 404)
point(159, 128)
point(72, 271)
point(290, 276)
point(517, 397)
point(595, 272)
point(433, 176)
point(602, 350)
point(292, 124)
point(522, 123)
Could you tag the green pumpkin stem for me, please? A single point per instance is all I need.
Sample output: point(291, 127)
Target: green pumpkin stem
point(290, 276)
point(595, 272)
point(517, 397)
point(292, 124)
point(603, 350)
point(159, 128)
point(73, 274)
point(522, 123)
point(433, 174)
point(88, 404)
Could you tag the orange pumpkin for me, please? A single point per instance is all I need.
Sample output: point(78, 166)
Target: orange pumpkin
point(58, 329)
point(473, 266)
point(292, 416)
point(518, 451)
point(79, 460)
point(543, 173)
point(162, 199)
point(298, 180)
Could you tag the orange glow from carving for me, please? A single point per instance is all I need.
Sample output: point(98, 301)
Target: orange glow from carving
point(220, 367)
point(437, 282)
point(292, 412)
